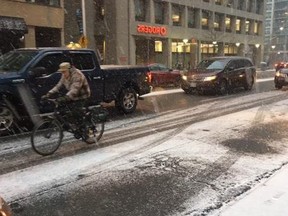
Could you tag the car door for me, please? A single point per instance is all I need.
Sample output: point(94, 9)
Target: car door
point(49, 77)
point(232, 72)
point(165, 75)
point(85, 62)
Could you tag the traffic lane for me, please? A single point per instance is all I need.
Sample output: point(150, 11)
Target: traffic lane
point(160, 183)
point(169, 99)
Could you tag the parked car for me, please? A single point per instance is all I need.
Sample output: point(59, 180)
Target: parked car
point(220, 74)
point(281, 78)
point(280, 65)
point(5, 210)
point(161, 75)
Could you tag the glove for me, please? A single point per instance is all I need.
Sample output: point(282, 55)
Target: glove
point(63, 99)
point(46, 96)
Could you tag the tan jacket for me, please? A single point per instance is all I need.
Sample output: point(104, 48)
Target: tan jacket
point(77, 85)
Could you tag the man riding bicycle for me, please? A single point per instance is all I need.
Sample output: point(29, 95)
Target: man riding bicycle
point(78, 90)
point(74, 81)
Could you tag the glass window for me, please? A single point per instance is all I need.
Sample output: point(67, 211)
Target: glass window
point(205, 19)
point(238, 25)
point(218, 2)
point(230, 3)
point(140, 10)
point(217, 22)
point(15, 61)
point(240, 5)
point(158, 46)
point(51, 62)
point(228, 23)
point(247, 26)
point(159, 12)
point(191, 17)
point(46, 2)
point(99, 8)
point(83, 61)
point(176, 15)
point(256, 28)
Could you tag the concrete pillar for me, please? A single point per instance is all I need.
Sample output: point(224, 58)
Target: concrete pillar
point(30, 40)
point(167, 51)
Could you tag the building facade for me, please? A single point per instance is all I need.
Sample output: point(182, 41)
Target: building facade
point(178, 33)
point(276, 31)
point(31, 23)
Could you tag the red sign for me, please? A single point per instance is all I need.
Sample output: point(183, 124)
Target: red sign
point(155, 30)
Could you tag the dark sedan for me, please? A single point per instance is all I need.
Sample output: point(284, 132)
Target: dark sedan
point(161, 75)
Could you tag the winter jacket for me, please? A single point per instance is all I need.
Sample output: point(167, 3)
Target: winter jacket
point(77, 85)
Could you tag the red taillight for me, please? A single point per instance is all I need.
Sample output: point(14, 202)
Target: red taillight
point(149, 77)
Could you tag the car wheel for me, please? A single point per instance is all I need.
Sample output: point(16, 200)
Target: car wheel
point(127, 100)
point(223, 88)
point(249, 83)
point(277, 86)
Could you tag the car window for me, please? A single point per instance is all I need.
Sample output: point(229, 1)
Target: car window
point(212, 64)
point(233, 64)
point(83, 61)
point(163, 68)
point(51, 62)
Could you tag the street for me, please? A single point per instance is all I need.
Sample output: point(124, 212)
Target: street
point(178, 154)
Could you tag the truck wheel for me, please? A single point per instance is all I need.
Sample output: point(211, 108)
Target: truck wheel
point(127, 100)
point(6, 118)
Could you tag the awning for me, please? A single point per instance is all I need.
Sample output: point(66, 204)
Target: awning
point(13, 24)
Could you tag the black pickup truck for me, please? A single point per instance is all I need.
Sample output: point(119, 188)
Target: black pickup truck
point(27, 74)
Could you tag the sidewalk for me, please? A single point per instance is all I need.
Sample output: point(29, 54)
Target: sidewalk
point(265, 74)
point(270, 198)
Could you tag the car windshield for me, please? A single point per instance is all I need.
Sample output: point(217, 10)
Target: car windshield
point(13, 61)
point(212, 64)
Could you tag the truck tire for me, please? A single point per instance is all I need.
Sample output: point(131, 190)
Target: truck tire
point(127, 101)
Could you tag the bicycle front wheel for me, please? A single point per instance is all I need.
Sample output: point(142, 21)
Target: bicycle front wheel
point(46, 137)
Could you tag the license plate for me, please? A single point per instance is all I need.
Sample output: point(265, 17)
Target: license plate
point(193, 84)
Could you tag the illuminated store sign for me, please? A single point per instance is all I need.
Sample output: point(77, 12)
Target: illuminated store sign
point(155, 30)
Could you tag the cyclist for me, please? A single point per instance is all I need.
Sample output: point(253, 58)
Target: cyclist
point(76, 84)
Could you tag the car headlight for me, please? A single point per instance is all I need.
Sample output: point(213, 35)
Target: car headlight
point(184, 77)
point(210, 78)
point(279, 74)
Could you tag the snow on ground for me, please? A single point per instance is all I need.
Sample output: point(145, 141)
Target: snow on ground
point(200, 141)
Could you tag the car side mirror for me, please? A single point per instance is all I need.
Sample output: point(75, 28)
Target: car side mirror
point(230, 68)
point(37, 72)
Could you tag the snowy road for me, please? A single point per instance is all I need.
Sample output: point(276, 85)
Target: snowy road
point(190, 162)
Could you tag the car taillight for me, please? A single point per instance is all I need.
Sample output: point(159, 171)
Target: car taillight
point(149, 77)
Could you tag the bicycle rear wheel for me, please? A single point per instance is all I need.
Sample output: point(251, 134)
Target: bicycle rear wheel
point(46, 137)
point(94, 132)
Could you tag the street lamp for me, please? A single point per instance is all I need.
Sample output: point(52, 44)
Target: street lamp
point(237, 44)
point(273, 47)
point(185, 41)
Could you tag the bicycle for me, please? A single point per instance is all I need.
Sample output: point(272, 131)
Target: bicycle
point(48, 133)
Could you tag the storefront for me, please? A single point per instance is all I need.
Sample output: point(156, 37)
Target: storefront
point(12, 31)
